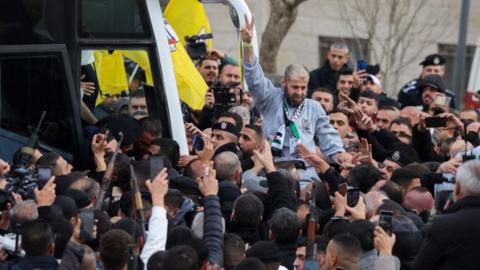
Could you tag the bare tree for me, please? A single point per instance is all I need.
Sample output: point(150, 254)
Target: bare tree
point(392, 28)
point(283, 14)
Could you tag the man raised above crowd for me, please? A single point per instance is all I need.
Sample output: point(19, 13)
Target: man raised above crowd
point(289, 118)
point(327, 75)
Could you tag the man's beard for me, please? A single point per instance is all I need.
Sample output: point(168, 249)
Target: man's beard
point(290, 101)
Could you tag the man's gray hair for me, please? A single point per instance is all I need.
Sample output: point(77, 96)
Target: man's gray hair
point(296, 70)
point(87, 185)
point(23, 211)
point(468, 177)
point(340, 45)
point(226, 164)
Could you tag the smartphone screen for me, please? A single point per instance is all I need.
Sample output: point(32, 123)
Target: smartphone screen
point(44, 173)
point(385, 221)
point(362, 65)
point(197, 142)
point(442, 100)
point(353, 195)
point(435, 121)
point(86, 228)
point(156, 165)
point(342, 189)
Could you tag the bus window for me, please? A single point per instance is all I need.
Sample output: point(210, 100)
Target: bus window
point(123, 81)
point(113, 18)
point(30, 84)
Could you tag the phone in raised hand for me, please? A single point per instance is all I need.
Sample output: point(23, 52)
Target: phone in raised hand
point(342, 189)
point(156, 165)
point(386, 221)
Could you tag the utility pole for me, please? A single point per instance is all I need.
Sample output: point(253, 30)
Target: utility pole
point(459, 85)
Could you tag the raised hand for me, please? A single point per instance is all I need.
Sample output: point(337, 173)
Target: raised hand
point(347, 104)
point(247, 31)
point(450, 166)
point(265, 157)
point(207, 152)
point(383, 242)
point(216, 53)
point(339, 204)
point(208, 184)
point(209, 99)
point(313, 159)
point(358, 77)
point(99, 143)
point(46, 195)
point(158, 187)
point(359, 211)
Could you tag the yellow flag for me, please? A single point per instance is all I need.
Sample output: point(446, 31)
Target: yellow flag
point(110, 72)
point(190, 83)
point(188, 18)
point(141, 58)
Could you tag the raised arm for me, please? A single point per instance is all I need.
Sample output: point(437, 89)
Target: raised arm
point(262, 89)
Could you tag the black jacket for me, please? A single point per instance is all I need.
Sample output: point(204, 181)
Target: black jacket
point(452, 238)
point(323, 77)
point(36, 262)
point(212, 227)
point(278, 194)
point(422, 142)
point(287, 252)
point(410, 95)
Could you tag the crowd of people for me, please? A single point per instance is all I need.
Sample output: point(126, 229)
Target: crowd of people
point(323, 171)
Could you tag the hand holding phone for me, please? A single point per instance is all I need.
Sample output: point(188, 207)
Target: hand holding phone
point(87, 222)
point(198, 142)
point(44, 174)
point(386, 221)
point(342, 189)
point(435, 121)
point(362, 64)
point(353, 195)
point(156, 165)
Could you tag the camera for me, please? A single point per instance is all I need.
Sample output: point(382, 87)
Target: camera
point(196, 46)
point(226, 96)
point(22, 181)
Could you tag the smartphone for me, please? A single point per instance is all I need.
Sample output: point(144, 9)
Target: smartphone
point(353, 195)
point(385, 221)
point(342, 189)
point(442, 100)
point(435, 121)
point(362, 65)
point(198, 142)
point(86, 228)
point(44, 174)
point(156, 165)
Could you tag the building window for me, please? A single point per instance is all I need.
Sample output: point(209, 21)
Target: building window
point(450, 53)
point(358, 47)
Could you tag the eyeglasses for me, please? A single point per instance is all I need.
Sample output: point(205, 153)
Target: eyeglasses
point(402, 134)
point(139, 107)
